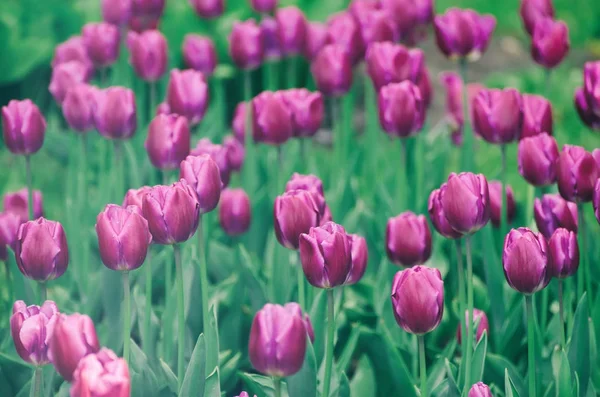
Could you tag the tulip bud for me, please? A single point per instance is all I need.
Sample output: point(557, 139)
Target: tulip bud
point(235, 211)
point(392, 63)
point(208, 8)
point(199, 53)
point(270, 36)
point(101, 374)
point(404, 14)
point(142, 22)
point(116, 113)
point(551, 212)
point(463, 33)
point(425, 86)
point(577, 173)
point(480, 389)
point(102, 41)
point(591, 85)
point(418, 299)
point(263, 6)
point(525, 261)
point(495, 189)
point(595, 200)
point(596, 156)
point(563, 253)
point(311, 184)
point(246, 44)
point(65, 76)
point(23, 126)
point(375, 25)
point(163, 108)
point(537, 115)
point(172, 213)
point(294, 213)
point(344, 31)
point(235, 152)
point(537, 159)
point(497, 115)
point(31, 327)
point(480, 319)
point(73, 50)
point(278, 340)
point(408, 239)
point(41, 250)
point(360, 256)
point(291, 28)
point(332, 70)
point(220, 155)
point(116, 12)
point(78, 107)
point(466, 202)
point(454, 106)
point(168, 141)
point(238, 124)
point(550, 43)
point(307, 110)
point(533, 10)
point(18, 203)
point(73, 338)
point(437, 216)
point(202, 176)
point(316, 36)
point(135, 197)
point(401, 109)
point(155, 7)
point(271, 118)
point(585, 111)
point(187, 94)
point(9, 227)
point(148, 54)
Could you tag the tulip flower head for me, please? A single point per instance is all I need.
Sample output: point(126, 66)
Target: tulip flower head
point(480, 389)
point(591, 85)
point(246, 44)
point(78, 107)
point(65, 76)
point(168, 141)
point(31, 328)
point(294, 213)
point(525, 261)
point(311, 184)
point(408, 239)
point(308, 110)
point(537, 116)
point(537, 158)
point(344, 31)
point(401, 109)
point(563, 253)
point(148, 54)
point(199, 53)
point(495, 189)
point(585, 111)
point(238, 124)
point(102, 41)
point(73, 49)
point(577, 173)
point(360, 257)
point(221, 155)
point(392, 63)
point(480, 319)
point(552, 212)
point(463, 33)
point(235, 211)
point(437, 216)
point(116, 113)
point(316, 37)
point(291, 29)
point(208, 8)
point(9, 227)
point(135, 197)
point(332, 70)
point(498, 115)
point(235, 152)
point(533, 10)
point(466, 202)
point(272, 118)
point(17, 203)
point(187, 94)
point(265, 7)
point(23, 127)
point(101, 374)
point(116, 12)
point(550, 43)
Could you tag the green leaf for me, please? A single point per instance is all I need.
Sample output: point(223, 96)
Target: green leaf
point(260, 385)
point(193, 381)
point(579, 347)
point(170, 377)
point(16, 373)
point(343, 388)
point(478, 360)
point(213, 384)
point(349, 347)
point(509, 387)
point(318, 316)
point(304, 382)
point(562, 373)
point(363, 381)
point(447, 388)
point(212, 343)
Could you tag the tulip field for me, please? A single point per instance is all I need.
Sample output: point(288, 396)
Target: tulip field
point(297, 198)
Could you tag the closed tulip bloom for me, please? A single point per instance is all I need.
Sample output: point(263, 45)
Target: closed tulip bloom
point(480, 319)
point(263, 6)
point(316, 36)
point(332, 70)
point(235, 152)
point(73, 337)
point(376, 25)
point(148, 54)
point(41, 250)
point(537, 115)
point(123, 237)
point(437, 216)
point(563, 253)
point(168, 141)
point(466, 202)
point(577, 173)
point(311, 184)
point(219, 153)
point(155, 7)
point(116, 113)
point(208, 8)
point(552, 211)
point(78, 107)
point(23, 127)
point(101, 374)
point(202, 174)
point(454, 106)
point(291, 28)
point(187, 94)
point(326, 255)
point(235, 211)
point(591, 85)
point(272, 118)
point(116, 12)
point(550, 43)
point(537, 159)
point(498, 115)
point(595, 201)
point(135, 197)
point(73, 50)
point(418, 299)
point(344, 31)
point(199, 53)
point(31, 328)
point(277, 342)
point(495, 189)
point(360, 256)
point(65, 76)
point(533, 10)
point(163, 108)
point(18, 203)
point(238, 124)
point(480, 389)
point(585, 111)
point(596, 156)
point(425, 86)
point(525, 260)
point(401, 109)
point(141, 22)
point(404, 13)
point(463, 33)
point(308, 110)
point(392, 63)
point(271, 40)
point(102, 41)
point(408, 239)
point(9, 227)
point(172, 213)
point(246, 45)
point(294, 213)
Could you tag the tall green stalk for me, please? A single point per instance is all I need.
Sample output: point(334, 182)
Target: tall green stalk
point(423, 366)
point(37, 384)
point(329, 347)
point(301, 285)
point(462, 301)
point(249, 168)
point(277, 386)
point(29, 178)
point(561, 310)
point(82, 199)
point(203, 276)
point(180, 316)
point(292, 71)
point(503, 200)
point(126, 315)
point(148, 308)
point(402, 186)
point(43, 291)
point(467, 154)
point(469, 325)
point(583, 275)
point(530, 344)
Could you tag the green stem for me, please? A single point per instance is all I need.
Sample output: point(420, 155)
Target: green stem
point(423, 365)
point(43, 291)
point(561, 311)
point(220, 102)
point(36, 383)
point(467, 157)
point(126, 316)
point(277, 386)
point(403, 181)
point(567, 302)
point(291, 71)
point(168, 285)
point(271, 74)
point(148, 308)
point(462, 301)
point(530, 200)
point(119, 182)
point(584, 274)
point(203, 277)
point(82, 198)
point(29, 177)
point(530, 344)
point(469, 325)
point(301, 285)
point(248, 171)
point(336, 128)
point(152, 100)
point(503, 201)
point(544, 308)
point(329, 348)
point(180, 315)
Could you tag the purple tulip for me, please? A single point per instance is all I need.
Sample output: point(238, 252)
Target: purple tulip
point(202, 174)
point(308, 110)
point(219, 153)
point(463, 33)
point(116, 113)
point(537, 159)
point(344, 31)
point(187, 94)
point(425, 86)
point(23, 126)
point(146, 7)
point(78, 107)
point(311, 184)
point(392, 63)
point(163, 108)
point(148, 54)
point(238, 124)
point(168, 141)
point(418, 299)
point(101, 374)
point(73, 338)
point(480, 389)
point(208, 8)
point(65, 76)
point(102, 41)
point(116, 12)
point(141, 22)
point(172, 212)
point(595, 202)
point(437, 216)
point(401, 109)
point(316, 37)
point(596, 156)
point(18, 203)
point(246, 44)
point(291, 28)
point(577, 173)
point(591, 85)
point(278, 340)
point(332, 70)
point(585, 111)
point(537, 115)
point(9, 227)
point(552, 211)
point(123, 237)
point(533, 10)
point(498, 115)
point(360, 256)
point(244, 394)
point(563, 253)
point(525, 261)
point(550, 43)
point(480, 319)
point(264, 6)
point(294, 212)
point(408, 239)
point(135, 197)
point(495, 189)
point(235, 211)
point(73, 50)
point(271, 41)
point(235, 152)
point(407, 16)
point(466, 202)
point(31, 328)
point(376, 25)
point(199, 53)
point(271, 118)
point(41, 250)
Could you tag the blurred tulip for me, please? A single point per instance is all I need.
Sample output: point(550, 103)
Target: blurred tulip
point(454, 102)
point(219, 153)
point(135, 197)
point(533, 10)
point(332, 70)
point(271, 41)
point(246, 45)
point(537, 158)
point(552, 211)
point(23, 126)
point(235, 152)
point(9, 227)
point(586, 114)
point(425, 86)
point(235, 211)
point(360, 257)
point(408, 239)
point(437, 216)
point(591, 85)
point(596, 156)
point(577, 173)
point(343, 31)
point(78, 107)
point(123, 237)
point(463, 33)
point(238, 124)
point(595, 202)
point(101, 374)
point(537, 115)
point(168, 141)
point(563, 253)
point(272, 119)
point(65, 76)
point(116, 114)
point(202, 175)
point(208, 8)
point(73, 50)
point(187, 94)
point(480, 389)
point(277, 342)
point(199, 53)
point(102, 41)
point(263, 6)
point(31, 328)
point(163, 108)
point(376, 25)
point(148, 6)
point(316, 36)
point(495, 189)
point(498, 115)
point(172, 213)
point(116, 12)
point(404, 14)
point(466, 202)
point(142, 22)
point(479, 318)
point(525, 261)
point(18, 203)
point(418, 299)
point(311, 184)
point(148, 54)
point(291, 28)
point(295, 212)
point(308, 110)
point(550, 43)
point(392, 63)
point(401, 109)
point(73, 338)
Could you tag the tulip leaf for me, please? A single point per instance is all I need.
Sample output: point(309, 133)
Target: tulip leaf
point(509, 388)
point(363, 381)
point(349, 347)
point(15, 372)
point(478, 359)
point(170, 377)
point(260, 385)
point(497, 365)
point(228, 369)
point(212, 343)
point(304, 382)
point(193, 382)
point(318, 316)
point(562, 373)
point(446, 388)
point(343, 388)
point(255, 286)
point(578, 350)
point(213, 384)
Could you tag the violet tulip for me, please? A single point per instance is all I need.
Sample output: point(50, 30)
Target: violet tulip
point(437, 216)
point(454, 102)
point(466, 202)
point(187, 94)
point(552, 211)
point(392, 63)
point(406, 18)
point(376, 25)
point(418, 299)
point(577, 173)
point(101, 374)
point(271, 118)
point(585, 111)
point(360, 256)
point(73, 49)
point(595, 201)
point(525, 261)
point(163, 108)
point(244, 394)
point(308, 110)
point(141, 22)
point(116, 12)
point(168, 141)
point(246, 45)
point(271, 41)
point(208, 8)
point(563, 253)
point(18, 203)
point(480, 319)
point(263, 6)
point(311, 184)
point(31, 328)
point(537, 115)
point(199, 53)
point(146, 7)
point(135, 197)
point(65, 76)
point(533, 10)
point(238, 124)
point(235, 212)
point(495, 189)
point(235, 152)
point(498, 115)
point(316, 37)
point(23, 127)
point(344, 31)
point(408, 239)
point(148, 54)
point(591, 85)
point(480, 389)
point(219, 153)
point(537, 158)
point(78, 107)
point(463, 33)
point(294, 212)
point(332, 70)
point(401, 109)
point(291, 28)
point(102, 41)
point(116, 113)
point(202, 175)
point(550, 43)
point(9, 227)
